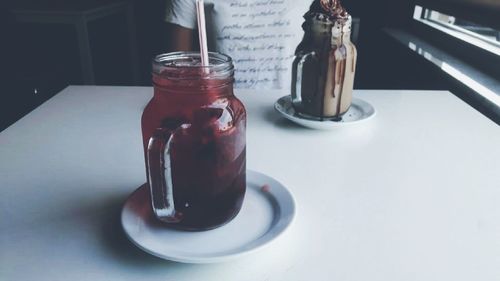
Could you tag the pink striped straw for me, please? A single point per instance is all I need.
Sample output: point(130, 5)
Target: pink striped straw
point(202, 31)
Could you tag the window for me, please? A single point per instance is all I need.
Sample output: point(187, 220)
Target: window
point(483, 37)
point(466, 52)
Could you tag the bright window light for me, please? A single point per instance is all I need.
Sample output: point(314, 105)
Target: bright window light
point(481, 36)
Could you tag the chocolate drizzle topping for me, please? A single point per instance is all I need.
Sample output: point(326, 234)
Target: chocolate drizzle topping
point(333, 9)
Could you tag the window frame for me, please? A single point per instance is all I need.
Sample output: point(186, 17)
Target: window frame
point(447, 40)
point(470, 72)
point(457, 31)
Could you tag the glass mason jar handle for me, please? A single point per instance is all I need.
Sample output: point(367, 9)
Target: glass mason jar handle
point(160, 174)
point(298, 70)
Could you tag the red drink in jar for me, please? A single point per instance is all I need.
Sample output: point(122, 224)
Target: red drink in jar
point(195, 142)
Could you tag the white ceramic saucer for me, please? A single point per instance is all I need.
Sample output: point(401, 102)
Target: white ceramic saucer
point(359, 111)
point(268, 210)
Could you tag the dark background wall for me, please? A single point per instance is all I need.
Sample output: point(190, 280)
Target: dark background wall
point(39, 60)
point(383, 63)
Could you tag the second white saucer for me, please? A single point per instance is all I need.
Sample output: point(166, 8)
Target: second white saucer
point(359, 111)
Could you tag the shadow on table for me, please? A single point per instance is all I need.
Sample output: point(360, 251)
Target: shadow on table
point(270, 115)
point(113, 238)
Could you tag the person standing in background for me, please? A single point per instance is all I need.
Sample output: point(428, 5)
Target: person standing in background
point(260, 35)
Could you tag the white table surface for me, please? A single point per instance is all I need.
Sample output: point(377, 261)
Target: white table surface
point(414, 194)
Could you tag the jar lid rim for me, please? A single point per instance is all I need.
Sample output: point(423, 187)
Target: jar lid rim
point(190, 60)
